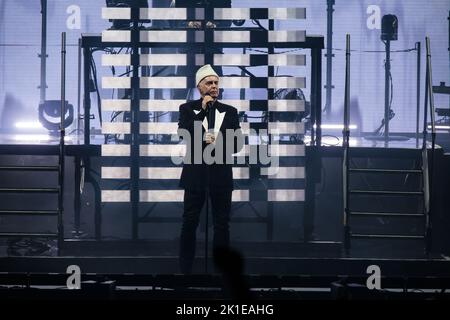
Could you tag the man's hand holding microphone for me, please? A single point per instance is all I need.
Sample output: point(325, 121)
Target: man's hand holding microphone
point(207, 103)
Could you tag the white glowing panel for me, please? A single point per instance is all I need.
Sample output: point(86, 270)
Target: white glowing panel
point(115, 150)
point(284, 172)
point(115, 196)
point(287, 150)
point(163, 36)
point(287, 105)
point(240, 196)
point(156, 59)
point(232, 36)
point(115, 128)
point(116, 60)
point(279, 195)
point(116, 105)
point(287, 59)
point(163, 82)
point(235, 82)
point(287, 36)
point(231, 13)
point(240, 105)
point(116, 82)
point(286, 127)
point(116, 36)
point(161, 195)
point(158, 128)
point(116, 13)
point(159, 173)
point(163, 14)
point(241, 173)
point(161, 105)
point(287, 13)
point(161, 150)
point(287, 82)
point(115, 173)
point(232, 59)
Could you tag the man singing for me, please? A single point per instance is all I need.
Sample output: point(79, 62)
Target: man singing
point(220, 132)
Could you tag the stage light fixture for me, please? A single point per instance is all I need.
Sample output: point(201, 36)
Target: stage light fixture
point(50, 115)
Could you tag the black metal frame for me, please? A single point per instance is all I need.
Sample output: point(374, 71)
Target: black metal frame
point(315, 43)
point(329, 55)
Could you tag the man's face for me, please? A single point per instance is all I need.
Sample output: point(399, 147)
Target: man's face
point(209, 85)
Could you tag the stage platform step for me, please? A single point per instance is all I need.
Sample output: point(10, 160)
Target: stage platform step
point(387, 236)
point(386, 192)
point(29, 168)
point(28, 234)
point(82, 247)
point(29, 190)
point(387, 214)
point(374, 170)
point(29, 212)
point(278, 266)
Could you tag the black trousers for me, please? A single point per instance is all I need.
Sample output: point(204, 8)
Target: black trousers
point(193, 203)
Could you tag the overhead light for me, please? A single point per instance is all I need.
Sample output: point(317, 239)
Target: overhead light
point(29, 125)
point(333, 141)
point(37, 138)
point(336, 126)
point(440, 127)
point(50, 115)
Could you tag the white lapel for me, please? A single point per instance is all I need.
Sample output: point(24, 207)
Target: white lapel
point(219, 116)
point(218, 120)
point(205, 120)
point(205, 123)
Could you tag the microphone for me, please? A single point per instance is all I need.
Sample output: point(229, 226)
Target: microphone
point(210, 103)
point(210, 110)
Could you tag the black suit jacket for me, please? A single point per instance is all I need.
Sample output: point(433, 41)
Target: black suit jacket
point(220, 176)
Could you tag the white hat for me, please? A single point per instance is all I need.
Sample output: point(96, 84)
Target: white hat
point(204, 72)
